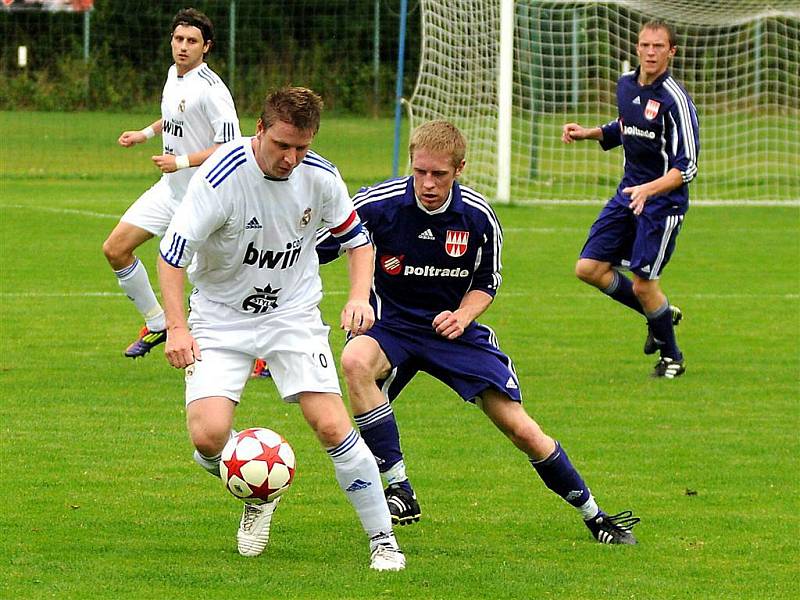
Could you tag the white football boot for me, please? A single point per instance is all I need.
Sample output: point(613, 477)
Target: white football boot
point(253, 534)
point(385, 554)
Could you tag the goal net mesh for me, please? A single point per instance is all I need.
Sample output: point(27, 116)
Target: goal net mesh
point(739, 60)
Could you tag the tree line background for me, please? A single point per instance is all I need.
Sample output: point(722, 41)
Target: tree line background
point(327, 45)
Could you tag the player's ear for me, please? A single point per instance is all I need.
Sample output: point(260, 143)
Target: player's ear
point(460, 167)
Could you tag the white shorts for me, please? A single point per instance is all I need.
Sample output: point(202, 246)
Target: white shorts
point(295, 346)
point(154, 209)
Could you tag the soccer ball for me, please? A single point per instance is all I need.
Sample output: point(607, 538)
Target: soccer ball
point(257, 465)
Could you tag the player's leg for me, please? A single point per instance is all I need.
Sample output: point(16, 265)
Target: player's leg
point(209, 421)
point(652, 250)
point(149, 216)
point(365, 367)
point(357, 474)
point(608, 243)
point(134, 281)
point(552, 464)
point(214, 386)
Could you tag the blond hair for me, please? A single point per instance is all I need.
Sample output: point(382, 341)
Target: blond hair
point(441, 137)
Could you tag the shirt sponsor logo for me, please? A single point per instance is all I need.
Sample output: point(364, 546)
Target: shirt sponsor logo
point(456, 243)
point(636, 132)
point(174, 127)
point(272, 259)
point(392, 264)
point(429, 271)
point(651, 110)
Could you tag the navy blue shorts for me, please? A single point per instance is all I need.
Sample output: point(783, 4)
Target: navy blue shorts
point(643, 244)
point(468, 364)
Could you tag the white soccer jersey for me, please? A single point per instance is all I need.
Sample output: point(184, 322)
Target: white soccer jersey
point(197, 111)
point(252, 237)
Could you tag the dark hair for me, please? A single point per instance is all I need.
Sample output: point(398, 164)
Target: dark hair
point(191, 17)
point(658, 24)
point(297, 106)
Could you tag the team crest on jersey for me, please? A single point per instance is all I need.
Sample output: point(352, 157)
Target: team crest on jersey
point(306, 218)
point(651, 110)
point(392, 264)
point(182, 106)
point(263, 300)
point(456, 243)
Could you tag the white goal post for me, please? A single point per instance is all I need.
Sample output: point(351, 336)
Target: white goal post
point(510, 73)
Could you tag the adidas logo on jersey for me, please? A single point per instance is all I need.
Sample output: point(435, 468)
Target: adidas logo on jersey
point(637, 100)
point(646, 269)
point(253, 224)
point(511, 384)
point(426, 235)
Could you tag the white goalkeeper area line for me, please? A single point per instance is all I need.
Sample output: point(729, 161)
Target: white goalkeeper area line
point(589, 296)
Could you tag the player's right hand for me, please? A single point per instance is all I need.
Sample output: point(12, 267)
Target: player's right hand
point(181, 348)
point(129, 138)
point(572, 132)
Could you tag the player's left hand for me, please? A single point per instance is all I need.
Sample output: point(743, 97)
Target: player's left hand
point(165, 162)
point(357, 316)
point(639, 196)
point(447, 325)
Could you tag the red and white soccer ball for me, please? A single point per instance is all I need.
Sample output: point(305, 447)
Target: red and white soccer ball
point(257, 465)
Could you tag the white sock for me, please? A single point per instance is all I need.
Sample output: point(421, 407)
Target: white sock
point(134, 282)
point(396, 474)
point(209, 463)
point(589, 509)
point(358, 476)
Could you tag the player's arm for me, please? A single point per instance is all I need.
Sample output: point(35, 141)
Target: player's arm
point(451, 324)
point(181, 348)
point(131, 138)
point(357, 314)
point(169, 163)
point(572, 132)
point(671, 180)
point(682, 130)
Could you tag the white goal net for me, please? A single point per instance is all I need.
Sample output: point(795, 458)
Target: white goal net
point(739, 60)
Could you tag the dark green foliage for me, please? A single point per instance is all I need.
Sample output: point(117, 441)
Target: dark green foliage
point(324, 45)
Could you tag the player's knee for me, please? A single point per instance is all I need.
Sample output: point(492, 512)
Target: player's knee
point(209, 441)
point(587, 271)
point(356, 367)
point(116, 255)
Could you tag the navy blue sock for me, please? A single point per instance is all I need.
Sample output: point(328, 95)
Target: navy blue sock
point(621, 290)
point(660, 323)
point(378, 428)
point(560, 476)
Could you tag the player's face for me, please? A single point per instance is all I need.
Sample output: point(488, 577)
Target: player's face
point(654, 52)
point(187, 48)
point(434, 175)
point(280, 148)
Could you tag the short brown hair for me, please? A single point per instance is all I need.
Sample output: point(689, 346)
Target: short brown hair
point(298, 106)
point(441, 137)
point(191, 17)
point(657, 24)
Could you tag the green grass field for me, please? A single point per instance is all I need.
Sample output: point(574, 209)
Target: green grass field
point(100, 497)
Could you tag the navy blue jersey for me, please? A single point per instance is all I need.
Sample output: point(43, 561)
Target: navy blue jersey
point(658, 130)
point(416, 250)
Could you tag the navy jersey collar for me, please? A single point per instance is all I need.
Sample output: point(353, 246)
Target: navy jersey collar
point(456, 203)
point(656, 84)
